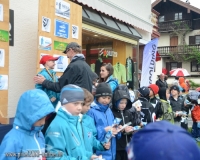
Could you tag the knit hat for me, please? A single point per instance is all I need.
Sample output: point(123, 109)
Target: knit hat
point(71, 93)
point(144, 91)
point(174, 87)
point(163, 141)
point(154, 88)
point(103, 89)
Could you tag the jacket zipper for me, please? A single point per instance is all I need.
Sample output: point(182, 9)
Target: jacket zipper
point(124, 124)
point(40, 152)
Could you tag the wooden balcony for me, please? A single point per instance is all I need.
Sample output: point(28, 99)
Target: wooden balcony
point(167, 50)
point(172, 25)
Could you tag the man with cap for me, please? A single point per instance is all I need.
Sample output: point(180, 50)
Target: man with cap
point(48, 73)
point(155, 101)
point(163, 141)
point(78, 71)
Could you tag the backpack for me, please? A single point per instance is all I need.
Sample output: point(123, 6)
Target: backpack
point(168, 114)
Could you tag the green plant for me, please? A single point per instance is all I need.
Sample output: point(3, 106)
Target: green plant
point(193, 85)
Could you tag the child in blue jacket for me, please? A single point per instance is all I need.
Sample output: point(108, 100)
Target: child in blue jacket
point(104, 119)
point(26, 135)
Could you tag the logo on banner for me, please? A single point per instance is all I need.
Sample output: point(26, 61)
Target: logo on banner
point(45, 43)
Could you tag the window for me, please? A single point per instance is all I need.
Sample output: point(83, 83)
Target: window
point(161, 19)
point(195, 67)
point(197, 39)
point(178, 16)
point(173, 65)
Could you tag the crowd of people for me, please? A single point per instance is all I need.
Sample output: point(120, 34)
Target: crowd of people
point(98, 118)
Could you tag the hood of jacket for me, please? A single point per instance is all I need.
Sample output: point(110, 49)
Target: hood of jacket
point(78, 56)
point(181, 80)
point(96, 105)
point(111, 78)
point(33, 105)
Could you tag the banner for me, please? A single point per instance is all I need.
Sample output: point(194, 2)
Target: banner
point(148, 63)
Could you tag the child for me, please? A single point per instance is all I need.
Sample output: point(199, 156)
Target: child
point(48, 62)
point(26, 136)
point(121, 104)
point(87, 123)
point(65, 133)
point(154, 101)
point(103, 118)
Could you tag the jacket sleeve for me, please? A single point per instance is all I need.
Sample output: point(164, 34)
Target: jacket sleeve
point(159, 111)
point(67, 78)
point(113, 84)
point(196, 113)
point(123, 74)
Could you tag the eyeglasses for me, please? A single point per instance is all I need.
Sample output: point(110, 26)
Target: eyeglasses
point(67, 50)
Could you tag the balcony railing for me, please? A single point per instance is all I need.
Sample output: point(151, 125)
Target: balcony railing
point(167, 50)
point(172, 25)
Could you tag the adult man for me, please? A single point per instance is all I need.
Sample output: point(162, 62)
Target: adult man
point(78, 71)
point(162, 84)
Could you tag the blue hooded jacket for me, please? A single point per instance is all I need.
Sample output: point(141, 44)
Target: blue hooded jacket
point(50, 93)
point(33, 105)
point(113, 82)
point(103, 117)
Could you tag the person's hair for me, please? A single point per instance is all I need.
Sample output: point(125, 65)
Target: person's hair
point(88, 97)
point(77, 50)
point(109, 68)
point(176, 78)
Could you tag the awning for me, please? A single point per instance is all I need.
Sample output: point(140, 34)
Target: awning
point(118, 13)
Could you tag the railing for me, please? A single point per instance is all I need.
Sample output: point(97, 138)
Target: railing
point(172, 25)
point(183, 49)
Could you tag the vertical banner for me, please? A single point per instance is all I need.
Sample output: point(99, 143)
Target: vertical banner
point(148, 63)
point(11, 27)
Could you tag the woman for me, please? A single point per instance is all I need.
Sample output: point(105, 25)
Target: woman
point(106, 73)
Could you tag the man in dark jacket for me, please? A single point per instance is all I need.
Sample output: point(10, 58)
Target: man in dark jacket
point(78, 71)
point(162, 84)
point(121, 105)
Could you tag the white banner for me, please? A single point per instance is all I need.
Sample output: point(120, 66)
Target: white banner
point(148, 63)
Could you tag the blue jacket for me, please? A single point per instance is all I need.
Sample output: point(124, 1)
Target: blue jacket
point(32, 106)
point(50, 93)
point(103, 117)
point(113, 82)
point(65, 134)
point(91, 143)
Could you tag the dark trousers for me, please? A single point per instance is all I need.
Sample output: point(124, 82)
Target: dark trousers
point(48, 121)
point(121, 155)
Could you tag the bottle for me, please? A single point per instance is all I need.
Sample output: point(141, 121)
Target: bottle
point(60, 63)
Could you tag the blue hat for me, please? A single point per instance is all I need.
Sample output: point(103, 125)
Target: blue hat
point(71, 93)
point(163, 141)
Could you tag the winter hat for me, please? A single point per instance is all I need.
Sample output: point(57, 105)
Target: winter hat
point(103, 89)
point(163, 141)
point(144, 91)
point(154, 88)
point(174, 87)
point(71, 93)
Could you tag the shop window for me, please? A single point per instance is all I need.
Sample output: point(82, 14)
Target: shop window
point(173, 65)
point(195, 67)
point(197, 39)
point(161, 18)
point(178, 16)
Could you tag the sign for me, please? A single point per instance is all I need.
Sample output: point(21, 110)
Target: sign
point(74, 31)
point(1, 12)
point(61, 63)
point(148, 63)
point(2, 57)
point(4, 36)
point(61, 46)
point(62, 9)
point(61, 29)
point(11, 28)
point(107, 53)
point(46, 24)
point(45, 43)
point(3, 82)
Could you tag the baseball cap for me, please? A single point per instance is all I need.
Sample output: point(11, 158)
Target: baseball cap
point(46, 58)
point(174, 87)
point(71, 45)
point(163, 141)
point(144, 91)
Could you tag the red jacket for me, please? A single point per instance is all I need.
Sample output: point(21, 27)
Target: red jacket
point(196, 113)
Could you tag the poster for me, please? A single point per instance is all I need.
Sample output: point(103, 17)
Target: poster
point(3, 82)
point(62, 9)
point(46, 24)
point(11, 27)
point(74, 31)
point(45, 43)
point(2, 57)
point(61, 46)
point(42, 54)
point(61, 63)
point(61, 29)
point(1, 12)
point(4, 36)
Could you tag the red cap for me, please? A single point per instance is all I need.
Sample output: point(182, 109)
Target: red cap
point(46, 58)
point(154, 88)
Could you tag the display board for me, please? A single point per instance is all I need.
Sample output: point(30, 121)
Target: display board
point(4, 60)
point(60, 22)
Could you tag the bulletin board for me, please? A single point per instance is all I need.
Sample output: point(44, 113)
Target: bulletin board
point(4, 60)
point(60, 22)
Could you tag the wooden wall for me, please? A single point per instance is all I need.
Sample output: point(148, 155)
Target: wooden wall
point(47, 9)
point(4, 25)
